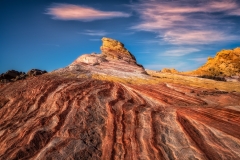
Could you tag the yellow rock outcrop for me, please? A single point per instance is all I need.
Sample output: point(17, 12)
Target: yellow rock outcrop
point(225, 63)
point(116, 50)
point(169, 70)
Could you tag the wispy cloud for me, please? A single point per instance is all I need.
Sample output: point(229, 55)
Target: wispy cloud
point(191, 36)
point(177, 52)
point(186, 22)
point(81, 13)
point(94, 32)
point(200, 60)
point(148, 41)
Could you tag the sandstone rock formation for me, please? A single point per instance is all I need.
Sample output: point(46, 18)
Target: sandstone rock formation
point(115, 50)
point(225, 63)
point(60, 115)
point(169, 70)
point(114, 60)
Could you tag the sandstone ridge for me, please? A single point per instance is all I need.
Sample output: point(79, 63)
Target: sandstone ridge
point(225, 63)
point(114, 60)
point(115, 50)
point(72, 114)
point(169, 70)
point(57, 117)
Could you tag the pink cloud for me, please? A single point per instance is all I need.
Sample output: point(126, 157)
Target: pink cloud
point(195, 36)
point(81, 13)
point(186, 23)
point(177, 52)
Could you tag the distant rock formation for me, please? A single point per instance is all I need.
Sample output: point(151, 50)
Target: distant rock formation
point(35, 72)
point(169, 70)
point(225, 63)
point(12, 75)
point(114, 60)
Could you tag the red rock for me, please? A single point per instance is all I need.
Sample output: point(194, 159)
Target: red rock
point(59, 116)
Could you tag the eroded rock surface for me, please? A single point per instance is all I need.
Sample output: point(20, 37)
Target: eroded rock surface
point(90, 59)
point(114, 60)
point(52, 117)
point(114, 49)
point(225, 63)
point(62, 115)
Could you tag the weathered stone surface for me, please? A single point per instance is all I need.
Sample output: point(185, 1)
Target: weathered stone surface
point(225, 63)
point(91, 59)
point(114, 49)
point(114, 60)
point(55, 117)
point(70, 114)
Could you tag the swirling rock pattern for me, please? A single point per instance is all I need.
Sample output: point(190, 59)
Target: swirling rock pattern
point(73, 114)
point(73, 118)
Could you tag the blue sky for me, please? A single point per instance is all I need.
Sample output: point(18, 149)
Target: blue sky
point(177, 34)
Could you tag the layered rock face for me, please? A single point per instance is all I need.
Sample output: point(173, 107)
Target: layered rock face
point(54, 117)
point(225, 63)
point(61, 115)
point(113, 49)
point(114, 60)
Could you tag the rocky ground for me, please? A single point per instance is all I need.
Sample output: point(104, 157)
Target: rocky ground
point(83, 111)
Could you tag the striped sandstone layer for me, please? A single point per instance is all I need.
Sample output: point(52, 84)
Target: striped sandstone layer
point(82, 112)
